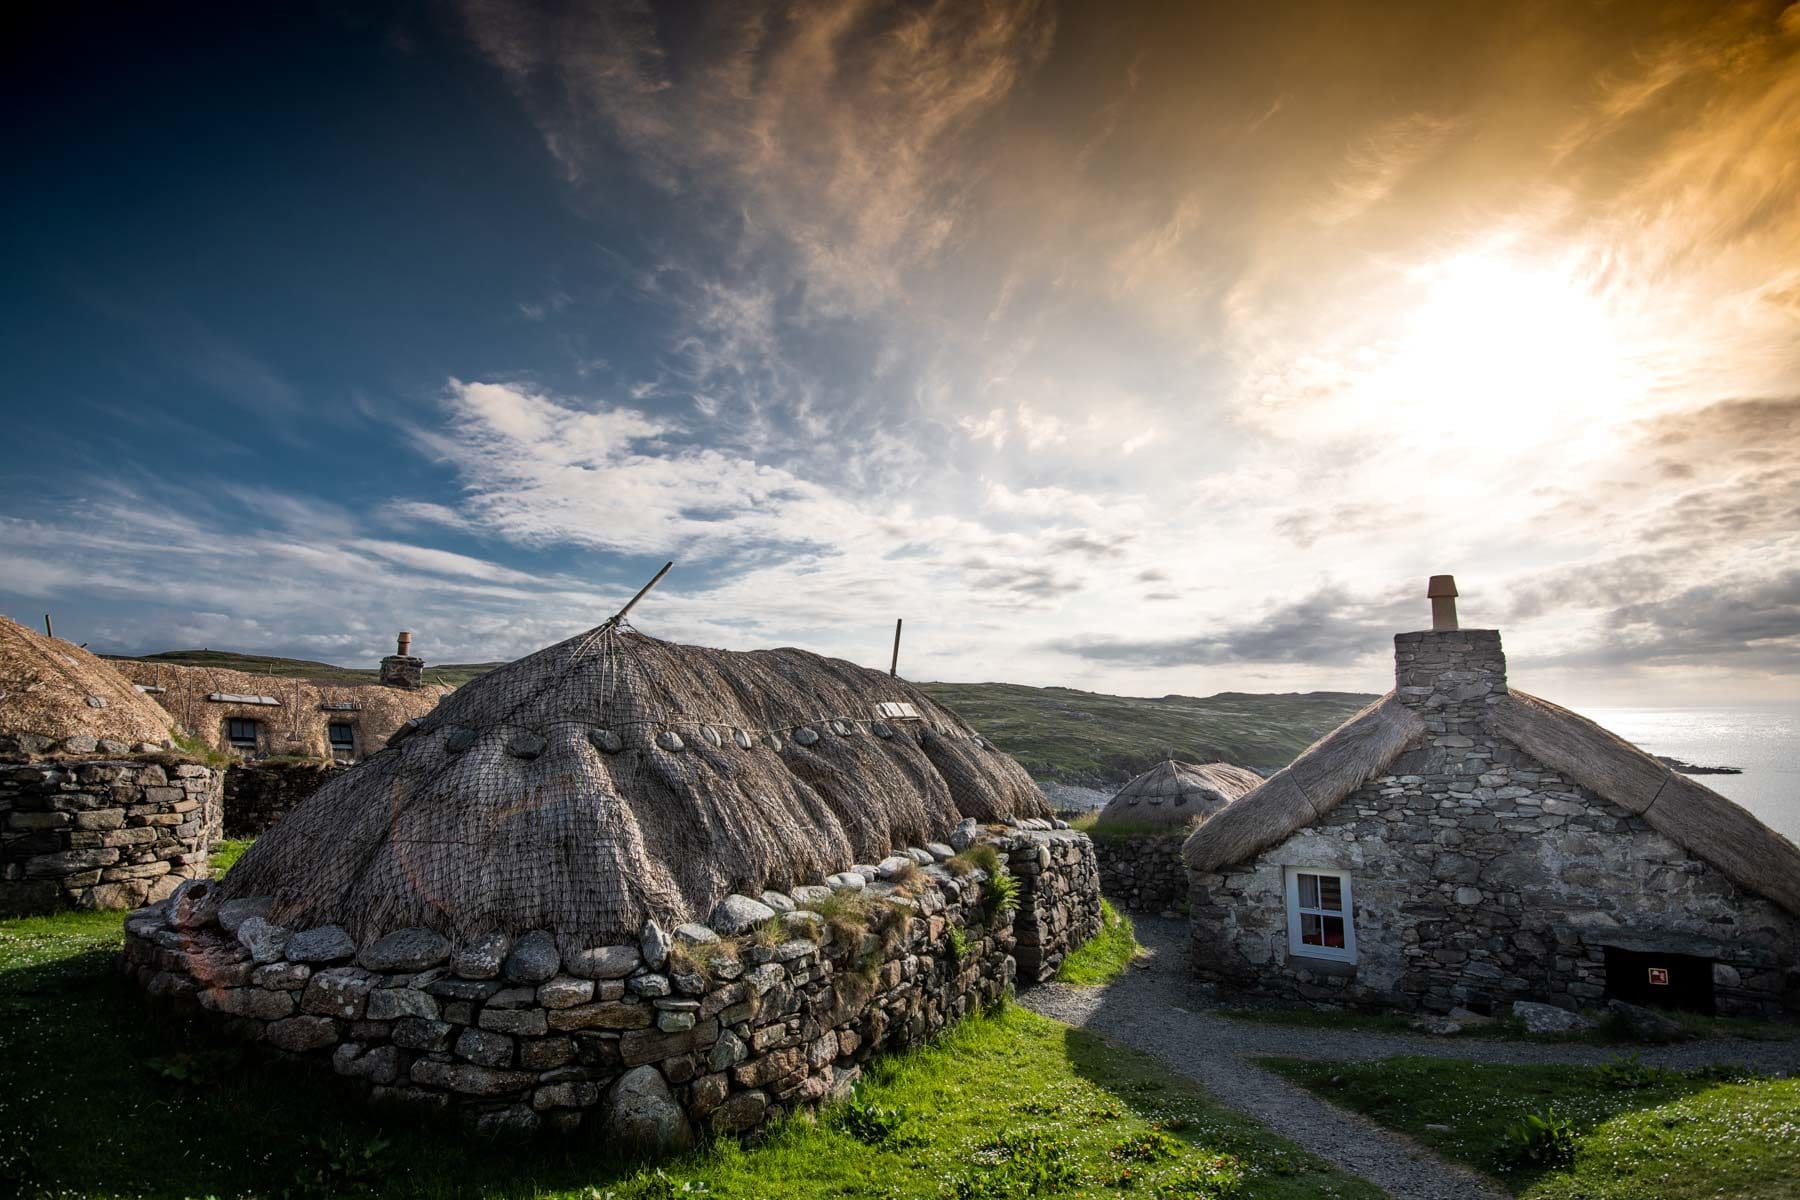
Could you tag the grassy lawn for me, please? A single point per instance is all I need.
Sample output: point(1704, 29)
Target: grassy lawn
point(1607, 1031)
point(103, 1101)
point(1104, 955)
point(1632, 1132)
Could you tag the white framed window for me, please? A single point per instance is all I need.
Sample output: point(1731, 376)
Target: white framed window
point(1319, 914)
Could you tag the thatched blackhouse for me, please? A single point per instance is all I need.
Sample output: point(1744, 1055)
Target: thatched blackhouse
point(1459, 843)
point(615, 777)
point(257, 716)
point(55, 697)
point(93, 812)
point(1173, 796)
point(651, 884)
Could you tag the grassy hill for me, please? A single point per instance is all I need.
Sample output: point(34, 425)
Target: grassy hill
point(303, 668)
point(1061, 735)
point(1094, 740)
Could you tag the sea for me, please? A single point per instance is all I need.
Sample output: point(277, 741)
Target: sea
point(1763, 741)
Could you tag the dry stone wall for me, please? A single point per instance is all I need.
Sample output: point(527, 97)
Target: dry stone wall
point(1059, 896)
point(258, 795)
point(1143, 872)
point(1479, 877)
point(103, 833)
point(774, 1004)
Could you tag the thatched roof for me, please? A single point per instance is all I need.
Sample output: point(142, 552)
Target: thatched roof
point(1696, 818)
point(52, 689)
point(613, 777)
point(1307, 788)
point(298, 720)
point(1174, 795)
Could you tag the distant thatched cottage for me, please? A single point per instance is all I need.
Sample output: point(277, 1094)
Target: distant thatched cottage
point(1173, 796)
point(93, 812)
point(263, 716)
point(1460, 843)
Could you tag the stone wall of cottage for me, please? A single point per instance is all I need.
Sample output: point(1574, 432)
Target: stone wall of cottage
point(714, 1027)
point(1143, 872)
point(259, 794)
point(1479, 877)
point(103, 833)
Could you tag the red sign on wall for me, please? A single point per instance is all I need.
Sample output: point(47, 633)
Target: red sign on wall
point(1659, 977)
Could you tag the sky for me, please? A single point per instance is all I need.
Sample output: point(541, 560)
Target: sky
point(1142, 348)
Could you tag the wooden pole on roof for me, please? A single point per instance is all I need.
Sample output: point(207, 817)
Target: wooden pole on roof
point(48, 632)
point(642, 592)
point(894, 666)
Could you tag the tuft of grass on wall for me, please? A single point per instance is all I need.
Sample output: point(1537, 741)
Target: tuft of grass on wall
point(1104, 956)
point(1621, 1131)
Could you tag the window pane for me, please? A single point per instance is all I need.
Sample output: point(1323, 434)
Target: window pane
point(1311, 933)
point(1331, 893)
point(1309, 891)
point(1334, 932)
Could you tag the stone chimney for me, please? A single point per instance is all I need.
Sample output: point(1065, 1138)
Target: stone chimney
point(400, 669)
point(1450, 675)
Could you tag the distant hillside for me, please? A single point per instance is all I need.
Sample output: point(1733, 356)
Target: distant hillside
point(1061, 735)
point(456, 674)
point(1094, 740)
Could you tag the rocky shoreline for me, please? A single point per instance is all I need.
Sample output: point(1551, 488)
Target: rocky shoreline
point(1688, 768)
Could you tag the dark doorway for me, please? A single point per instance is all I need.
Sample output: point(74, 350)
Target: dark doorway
point(1683, 981)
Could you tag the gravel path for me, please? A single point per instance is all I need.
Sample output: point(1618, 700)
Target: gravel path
point(1156, 1008)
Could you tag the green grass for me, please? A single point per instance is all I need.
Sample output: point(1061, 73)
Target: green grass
point(1640, 1133)
point(1067, 736)
point(1606, 1032)
point(225, 854)
point(102, 1100)
point(1099, 959)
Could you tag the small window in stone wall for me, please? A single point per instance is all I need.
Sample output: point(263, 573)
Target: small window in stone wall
point(342, 738)
point(1320, 924)
point(242, 732)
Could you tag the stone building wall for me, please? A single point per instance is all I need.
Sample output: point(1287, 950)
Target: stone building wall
point(103, 833)
point(1142, 872)
point(258, 795)
point(1059, 896)
point(1479, 876)
point(702, 1028)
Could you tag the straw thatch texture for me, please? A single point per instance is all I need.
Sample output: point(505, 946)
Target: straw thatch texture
point(1307, 788)
point(1174, 795)
point(615, 777)
point(52, 689)
point(1693, 816)
point(298, 725)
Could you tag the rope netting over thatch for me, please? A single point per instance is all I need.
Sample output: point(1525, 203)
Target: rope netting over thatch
point(1175, 795)
point(54, 689)
point(614, 777)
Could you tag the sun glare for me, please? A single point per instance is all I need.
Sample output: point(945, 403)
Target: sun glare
point(1523, 350)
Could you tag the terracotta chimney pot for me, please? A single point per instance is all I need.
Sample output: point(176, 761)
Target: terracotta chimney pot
point(1442, 593)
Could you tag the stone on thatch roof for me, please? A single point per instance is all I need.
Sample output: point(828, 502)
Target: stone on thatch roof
point(1174, 795)
point(1694, 817)
point(52, 691)
point(615, 777)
